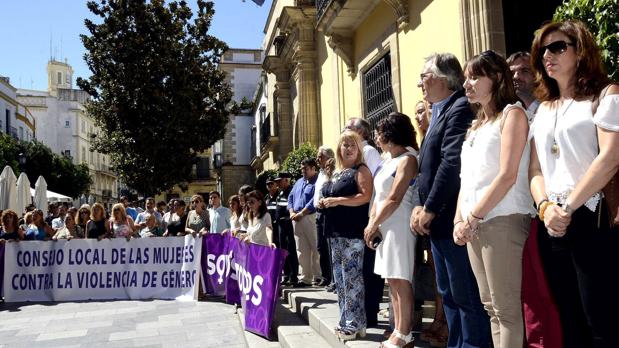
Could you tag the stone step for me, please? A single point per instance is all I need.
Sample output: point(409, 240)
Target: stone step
point(319, 310)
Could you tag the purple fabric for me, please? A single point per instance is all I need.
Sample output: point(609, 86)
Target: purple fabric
point(1, 270)
point(265, 267)
point(248, 274)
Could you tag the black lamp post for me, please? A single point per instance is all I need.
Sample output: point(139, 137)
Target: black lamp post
point(22, 162)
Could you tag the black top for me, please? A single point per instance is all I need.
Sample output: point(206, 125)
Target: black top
point(9, 236)
point(282, 212)
point(271, 203)
point(343, 221)
point(96, 229)
point(174, 227)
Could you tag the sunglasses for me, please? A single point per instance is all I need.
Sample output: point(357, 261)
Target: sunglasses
point(556, 47)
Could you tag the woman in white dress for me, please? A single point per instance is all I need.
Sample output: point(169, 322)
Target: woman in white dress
point(389, 216)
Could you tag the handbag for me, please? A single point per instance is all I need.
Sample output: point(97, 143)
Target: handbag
point(611, 190)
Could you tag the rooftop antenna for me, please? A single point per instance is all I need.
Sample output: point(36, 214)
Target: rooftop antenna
point(50, 45)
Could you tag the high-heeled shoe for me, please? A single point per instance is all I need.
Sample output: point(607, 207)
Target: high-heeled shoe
point(348, 334)
point(404, 341)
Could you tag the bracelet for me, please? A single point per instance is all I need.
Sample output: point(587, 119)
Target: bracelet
point(538, 205)
point(543, 207)
point(475, 217)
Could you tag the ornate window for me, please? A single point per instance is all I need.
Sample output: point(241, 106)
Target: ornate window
point(378, 92)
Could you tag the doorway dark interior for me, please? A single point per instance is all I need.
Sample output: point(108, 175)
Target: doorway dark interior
point(522, 18)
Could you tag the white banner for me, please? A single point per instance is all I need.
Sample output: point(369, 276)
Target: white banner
point(84, 269)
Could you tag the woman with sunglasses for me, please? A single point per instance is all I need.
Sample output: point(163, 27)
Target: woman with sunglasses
point(96, 228)
point(121, 224)
point(494, 205)
point(198, 220)
point(81, 218)
point(574, 154)
point(38, 229)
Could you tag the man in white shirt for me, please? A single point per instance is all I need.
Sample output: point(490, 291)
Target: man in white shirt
point(524, 81)
point(150, 209)
point(219, 215)
point(324, 154)
point(370, 154)
point(58, 222)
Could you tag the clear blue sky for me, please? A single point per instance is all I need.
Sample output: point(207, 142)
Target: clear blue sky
point(26, 26)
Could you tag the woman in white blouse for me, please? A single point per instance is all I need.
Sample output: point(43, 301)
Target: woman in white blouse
point(495, 205)
point(260, 228)
point(574, 154)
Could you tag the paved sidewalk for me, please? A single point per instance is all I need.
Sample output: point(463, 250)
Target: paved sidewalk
point(151, 323)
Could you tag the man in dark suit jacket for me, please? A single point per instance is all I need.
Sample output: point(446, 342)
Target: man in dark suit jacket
point(439, 183)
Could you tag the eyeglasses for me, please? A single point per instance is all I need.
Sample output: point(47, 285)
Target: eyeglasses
point(83, 212)
point(557, 47)
point(196, 201)
point(423, 76)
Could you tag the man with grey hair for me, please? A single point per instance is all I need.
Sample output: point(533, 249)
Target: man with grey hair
point(370, 154)
point(324, 154)
point(439, 182)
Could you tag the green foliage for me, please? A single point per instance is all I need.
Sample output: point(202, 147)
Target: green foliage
point(292, 163)
point(261, 180)
point(245, 105)
point(158, 95)
point(60, 173)
point(602, 19)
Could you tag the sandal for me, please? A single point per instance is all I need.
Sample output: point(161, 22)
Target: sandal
point(404, 341)
point(349, 334)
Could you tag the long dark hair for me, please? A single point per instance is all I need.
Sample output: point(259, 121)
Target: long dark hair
point(493, 66)
point(258, 196)
point(590, 76)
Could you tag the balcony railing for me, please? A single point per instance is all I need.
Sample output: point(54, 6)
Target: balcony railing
point(321, 7)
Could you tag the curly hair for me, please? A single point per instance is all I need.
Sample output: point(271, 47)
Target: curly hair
point(590, 74)
point(398, 129)
point(5, 218)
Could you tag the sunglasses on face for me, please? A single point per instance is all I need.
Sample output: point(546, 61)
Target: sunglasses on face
point(556, 47)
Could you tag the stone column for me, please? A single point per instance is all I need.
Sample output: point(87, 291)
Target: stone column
point(482, 26)
point(283, 114)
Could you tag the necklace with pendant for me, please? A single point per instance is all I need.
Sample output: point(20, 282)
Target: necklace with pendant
point(554, 148)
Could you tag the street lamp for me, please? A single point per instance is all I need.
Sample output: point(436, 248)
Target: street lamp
point(22, 162)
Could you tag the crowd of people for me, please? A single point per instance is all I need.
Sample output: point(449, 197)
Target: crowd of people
point(504, 191)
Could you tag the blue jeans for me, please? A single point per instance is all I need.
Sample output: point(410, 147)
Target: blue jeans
point(468, 322)
point(347, 260)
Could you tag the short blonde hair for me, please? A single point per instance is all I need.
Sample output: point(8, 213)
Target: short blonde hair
point(349, 136)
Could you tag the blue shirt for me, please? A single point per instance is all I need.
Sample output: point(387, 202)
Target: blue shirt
point(132, 212)
point(302, 195)
point(437, 108)
point(220, 219)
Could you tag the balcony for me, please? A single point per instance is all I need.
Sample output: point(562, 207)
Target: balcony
point(106, 193)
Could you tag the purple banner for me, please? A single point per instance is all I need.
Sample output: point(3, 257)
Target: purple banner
point(262, 273)
point(248, 274)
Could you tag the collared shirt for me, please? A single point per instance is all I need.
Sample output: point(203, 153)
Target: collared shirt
point(532, 109)
point(58, 223)
point(302, 195)
point(220, 219)
point(371, 156)
point(141, 217)
point(437, 108)
point(132, 212)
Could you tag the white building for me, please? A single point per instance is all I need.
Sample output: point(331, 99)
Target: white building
point(64, 126)
point(233, 154)
point(15, 118)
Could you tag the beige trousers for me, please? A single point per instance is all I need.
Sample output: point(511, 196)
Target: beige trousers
point(496, 259)
point(307, 248)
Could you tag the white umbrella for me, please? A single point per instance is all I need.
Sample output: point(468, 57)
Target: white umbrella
point(8, 190)
point(40, 194)
point(23, 192)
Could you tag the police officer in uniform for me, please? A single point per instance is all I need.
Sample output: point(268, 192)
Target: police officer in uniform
point(286, 233)
point(271, 202)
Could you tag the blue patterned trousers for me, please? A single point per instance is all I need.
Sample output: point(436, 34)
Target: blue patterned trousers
point(347, 261)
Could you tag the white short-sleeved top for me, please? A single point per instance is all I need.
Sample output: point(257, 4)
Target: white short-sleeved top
point(576, 135)
point(257, 229)
point(480, 157)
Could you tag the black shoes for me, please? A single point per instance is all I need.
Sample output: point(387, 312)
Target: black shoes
point(300, 285)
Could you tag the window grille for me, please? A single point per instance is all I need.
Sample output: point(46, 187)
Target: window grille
point(378, 92)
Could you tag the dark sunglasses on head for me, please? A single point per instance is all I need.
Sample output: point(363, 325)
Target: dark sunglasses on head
point(556, 47)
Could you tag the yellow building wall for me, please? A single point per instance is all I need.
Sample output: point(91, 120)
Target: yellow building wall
point(434, 27)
